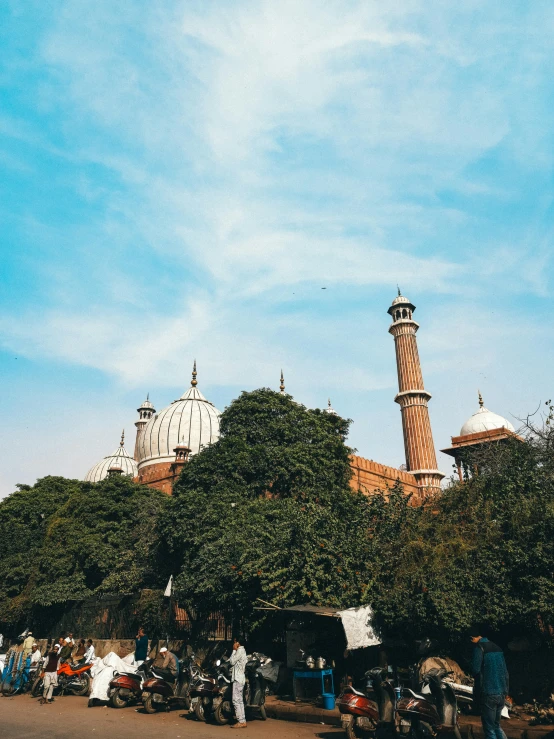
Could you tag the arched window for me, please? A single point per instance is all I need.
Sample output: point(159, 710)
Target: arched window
point(404, 313)
point(397, 315)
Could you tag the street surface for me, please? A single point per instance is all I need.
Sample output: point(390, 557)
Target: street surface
point(22, 717)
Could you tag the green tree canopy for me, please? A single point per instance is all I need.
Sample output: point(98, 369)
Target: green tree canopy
point(63, 540)
point(267, 511)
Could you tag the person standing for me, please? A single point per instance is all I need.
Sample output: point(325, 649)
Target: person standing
point(141, 646)
point(238, 664)
point(491, 684)
point(50, 674)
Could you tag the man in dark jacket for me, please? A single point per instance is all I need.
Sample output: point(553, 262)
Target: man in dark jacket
point(491, 684)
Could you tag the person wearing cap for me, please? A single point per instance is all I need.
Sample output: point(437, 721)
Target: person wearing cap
point(27, 646)
point(65, 648)
point(238, 663)
point(36, 656)
point(50, 674)
point(170, 666)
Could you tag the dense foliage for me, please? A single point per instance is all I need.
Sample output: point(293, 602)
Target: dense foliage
point(64, 540)
point(481, 556)
point(267, 511)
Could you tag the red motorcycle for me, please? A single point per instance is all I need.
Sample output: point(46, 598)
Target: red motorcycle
point(126, 687)
point(433, 714)
point(359, 714)
point(71, 679)
point(362, 715)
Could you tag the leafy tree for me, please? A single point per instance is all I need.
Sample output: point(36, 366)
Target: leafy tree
point(267, 511)
point(103, 539)
point(24, 518)
point(63, 540)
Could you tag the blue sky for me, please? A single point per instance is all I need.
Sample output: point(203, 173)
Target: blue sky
point(180, 180)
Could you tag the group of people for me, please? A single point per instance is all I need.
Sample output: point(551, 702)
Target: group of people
point(62, 650)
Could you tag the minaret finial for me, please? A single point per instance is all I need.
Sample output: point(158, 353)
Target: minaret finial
point(282, 385)
point(398, 288)
point(147, 396)
point(481, 404)
point(328, 402)
point(194, 381)
point(122, 438)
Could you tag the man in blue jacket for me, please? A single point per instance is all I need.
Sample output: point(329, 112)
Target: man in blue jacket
point(491, 684)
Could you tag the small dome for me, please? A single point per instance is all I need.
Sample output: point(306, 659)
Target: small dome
point(400, 299)
point(484, 420)
point(191, 420)
point(119, 459)
point(147, 405)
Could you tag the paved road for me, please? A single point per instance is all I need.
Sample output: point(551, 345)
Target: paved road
point(69, 718)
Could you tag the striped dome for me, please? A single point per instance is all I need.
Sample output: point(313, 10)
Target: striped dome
point(191, 420)
point(119, 459)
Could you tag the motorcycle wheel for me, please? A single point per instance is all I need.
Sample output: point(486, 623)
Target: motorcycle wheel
point(263, 713)
point(350, 730)
point(85, 686)
point(221, 716)
point(184, 695)
point(116, 701)
point(199, 710)
point(37, 687)
point(149, 704)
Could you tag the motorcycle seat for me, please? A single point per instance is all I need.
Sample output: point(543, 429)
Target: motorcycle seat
point(409, 693)
point(356, 692)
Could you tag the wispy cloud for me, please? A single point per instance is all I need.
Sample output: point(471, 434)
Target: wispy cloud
point(186, 177)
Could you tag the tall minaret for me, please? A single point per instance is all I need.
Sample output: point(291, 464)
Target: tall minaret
point(146, 411)
point(412, 397)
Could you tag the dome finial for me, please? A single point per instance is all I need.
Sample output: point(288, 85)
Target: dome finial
point(398, 288)
point(194, 381)
point(147, 396)
point(122, 438)
point(282, 385)
point(481, 404)
point(328, 402)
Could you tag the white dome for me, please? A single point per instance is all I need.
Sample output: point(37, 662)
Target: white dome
point(484, 420)
point(119, 458)
point(192, 419)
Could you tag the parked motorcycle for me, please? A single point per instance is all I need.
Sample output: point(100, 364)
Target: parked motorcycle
point(256, 684)
point(72, 678)
point(372, 712)
point(204, 691)
point(431, 715)
point(159, 694)
point(126, 687)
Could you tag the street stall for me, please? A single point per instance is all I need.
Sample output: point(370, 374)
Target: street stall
point(320, 642)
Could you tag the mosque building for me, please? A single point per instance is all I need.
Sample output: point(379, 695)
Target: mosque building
point(165, 441)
